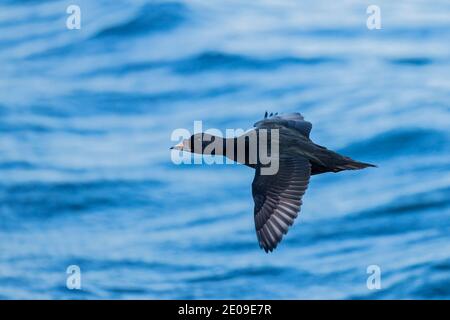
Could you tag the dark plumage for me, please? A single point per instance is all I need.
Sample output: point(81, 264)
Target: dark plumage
point(277, 197)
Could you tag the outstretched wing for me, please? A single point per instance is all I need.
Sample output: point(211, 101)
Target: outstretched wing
point(290, 120)
point(278, 199)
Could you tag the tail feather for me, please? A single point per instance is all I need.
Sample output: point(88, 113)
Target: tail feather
point(326, 160)
point(350, 164)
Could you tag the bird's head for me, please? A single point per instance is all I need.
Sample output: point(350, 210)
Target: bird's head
point(195, 144)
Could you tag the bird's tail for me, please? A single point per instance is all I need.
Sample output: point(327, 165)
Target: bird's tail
point(350, 164)
point(330, 161)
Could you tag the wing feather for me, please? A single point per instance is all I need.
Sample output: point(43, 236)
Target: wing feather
point(290, 120)
point(278, 199)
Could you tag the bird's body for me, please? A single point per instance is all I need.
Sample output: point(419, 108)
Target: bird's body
point(277, 196)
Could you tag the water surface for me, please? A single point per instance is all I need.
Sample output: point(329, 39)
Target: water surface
point(86, 176)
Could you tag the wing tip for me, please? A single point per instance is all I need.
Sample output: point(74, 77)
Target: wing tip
point(266, 248)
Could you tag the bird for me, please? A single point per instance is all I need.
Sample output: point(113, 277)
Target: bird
point(278, 196)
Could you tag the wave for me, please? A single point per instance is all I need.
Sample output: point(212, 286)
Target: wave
point(214, 60)
point(92, 103)
point(430, 200)
point(412, 61)
point(37, 200)
point(398, 142)
point(259, 271)
point(151, 18)
point(410, 32)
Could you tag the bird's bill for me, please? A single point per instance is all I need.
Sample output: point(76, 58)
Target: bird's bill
point(179, 146)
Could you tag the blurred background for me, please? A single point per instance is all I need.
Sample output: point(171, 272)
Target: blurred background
point(86, 176)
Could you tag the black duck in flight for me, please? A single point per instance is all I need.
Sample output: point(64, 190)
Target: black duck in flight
point(277, 196)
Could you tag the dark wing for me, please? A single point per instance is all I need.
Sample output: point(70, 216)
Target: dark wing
point(290, 120)
point(278, 199)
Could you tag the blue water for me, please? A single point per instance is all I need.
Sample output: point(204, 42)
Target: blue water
point(86, 176)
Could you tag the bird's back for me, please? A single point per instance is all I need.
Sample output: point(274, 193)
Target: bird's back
point(294, 140)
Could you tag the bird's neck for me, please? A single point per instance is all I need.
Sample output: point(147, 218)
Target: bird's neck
point(218, 146)
point(236, 149)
